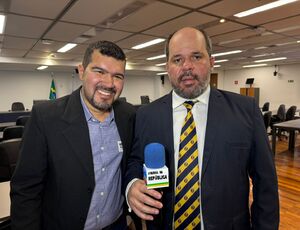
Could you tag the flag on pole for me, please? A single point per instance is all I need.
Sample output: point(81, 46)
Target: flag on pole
point(52, 95)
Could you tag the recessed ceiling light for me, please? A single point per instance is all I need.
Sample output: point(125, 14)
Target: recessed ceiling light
point(263, 8)
point(227, 53)
point(161, 64)
point(42, 67)
point(222, 20)
point(2, 23)
point(271, 59)
point(219, 61)
point(149, 43)
point(163, 73)
point(67, 47)
point(255, 65)
point(156, 57)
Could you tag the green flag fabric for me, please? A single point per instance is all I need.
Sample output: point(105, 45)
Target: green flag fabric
point(52, 95)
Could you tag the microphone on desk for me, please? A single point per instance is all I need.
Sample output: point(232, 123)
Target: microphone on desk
point(156, 174)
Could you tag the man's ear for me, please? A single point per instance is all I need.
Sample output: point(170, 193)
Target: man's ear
point(212, 61)
point(80, 71)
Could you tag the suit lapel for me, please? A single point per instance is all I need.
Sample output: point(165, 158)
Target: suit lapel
point(214, 118)
point(77, 133)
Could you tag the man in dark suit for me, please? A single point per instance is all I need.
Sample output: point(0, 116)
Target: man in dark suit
point(69, 172)
point(231, 146)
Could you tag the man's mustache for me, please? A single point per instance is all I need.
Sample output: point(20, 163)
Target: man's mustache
point(188, 73)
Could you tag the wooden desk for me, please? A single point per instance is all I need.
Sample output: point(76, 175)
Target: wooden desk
point(4, 199)
point(290, 126)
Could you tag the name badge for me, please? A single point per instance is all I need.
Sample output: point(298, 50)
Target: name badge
point(120, 146)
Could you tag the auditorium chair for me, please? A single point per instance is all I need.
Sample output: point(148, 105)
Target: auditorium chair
point(9, 152)
point(12, 132)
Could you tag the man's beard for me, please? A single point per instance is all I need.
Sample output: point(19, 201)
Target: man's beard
point(197, 90)
point(102, 106)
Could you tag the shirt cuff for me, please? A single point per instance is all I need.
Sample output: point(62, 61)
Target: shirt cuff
point(126, 192)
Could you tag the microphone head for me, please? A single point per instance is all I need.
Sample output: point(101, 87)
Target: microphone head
point(154, 155)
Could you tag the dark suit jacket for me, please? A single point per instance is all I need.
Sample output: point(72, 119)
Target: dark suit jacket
point(54, 179)
point(236, 147)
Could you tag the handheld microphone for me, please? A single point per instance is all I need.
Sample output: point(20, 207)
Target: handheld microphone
point(156, 174)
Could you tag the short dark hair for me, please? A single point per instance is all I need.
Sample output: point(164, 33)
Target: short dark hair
point(106, 48)
point(206, 37)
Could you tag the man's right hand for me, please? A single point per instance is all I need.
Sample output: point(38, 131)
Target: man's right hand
point(144, 202)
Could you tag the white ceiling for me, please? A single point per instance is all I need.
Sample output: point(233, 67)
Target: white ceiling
point(131, 22)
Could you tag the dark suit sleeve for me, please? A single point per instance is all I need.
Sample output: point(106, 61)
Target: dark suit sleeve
point(136, 158)
point(265, 206)
point(28, 180)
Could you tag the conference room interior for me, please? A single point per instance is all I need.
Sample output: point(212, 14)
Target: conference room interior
point(264, 46)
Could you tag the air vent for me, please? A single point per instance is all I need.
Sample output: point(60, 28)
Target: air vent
point(131, 8)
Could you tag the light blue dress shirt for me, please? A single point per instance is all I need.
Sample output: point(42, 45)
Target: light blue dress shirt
point(107, 201)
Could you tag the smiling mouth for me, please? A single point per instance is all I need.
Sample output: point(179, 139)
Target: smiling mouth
point(105, 92)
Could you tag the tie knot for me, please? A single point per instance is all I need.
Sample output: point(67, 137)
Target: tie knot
point(188, 105)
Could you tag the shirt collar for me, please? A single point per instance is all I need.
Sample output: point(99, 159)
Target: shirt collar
point(178, 100)
point(89, 116)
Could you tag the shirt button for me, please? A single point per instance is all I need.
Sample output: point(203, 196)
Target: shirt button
point(103, 169)
point(102, 148)
point(101, 193)
point(97, 216)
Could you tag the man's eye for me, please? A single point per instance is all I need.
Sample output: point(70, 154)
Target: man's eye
point(121, 77)
point(197, 57)
point(177, 60)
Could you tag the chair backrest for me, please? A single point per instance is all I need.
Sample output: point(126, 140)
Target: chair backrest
point(17, 106)
point(290, 113)
point(266, 107)
point(9, 152)
point(122, 99)
point(281, 112)
point(145, 99)
point(12, 132)
point(21, 120)
point(267, 118)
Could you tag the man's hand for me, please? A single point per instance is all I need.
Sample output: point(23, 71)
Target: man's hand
point(144, 202)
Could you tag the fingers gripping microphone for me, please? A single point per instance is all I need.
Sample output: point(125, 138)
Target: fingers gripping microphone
point(156, 174)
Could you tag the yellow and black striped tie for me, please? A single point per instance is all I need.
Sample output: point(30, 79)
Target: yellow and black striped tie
point(187, 199)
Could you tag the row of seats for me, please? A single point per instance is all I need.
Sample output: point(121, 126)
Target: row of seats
point(9, 148)
point(281, 116)
point(144, 99)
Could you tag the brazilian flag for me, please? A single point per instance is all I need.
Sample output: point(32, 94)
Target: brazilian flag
point(52, 95)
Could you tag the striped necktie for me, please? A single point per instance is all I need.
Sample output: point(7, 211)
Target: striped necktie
point(187, 197)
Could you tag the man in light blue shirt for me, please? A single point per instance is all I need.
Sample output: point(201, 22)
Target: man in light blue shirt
point(74, 152)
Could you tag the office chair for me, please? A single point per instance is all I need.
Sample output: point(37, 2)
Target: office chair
point(17, 106)
point(21, 120)
point(279, 116)
point(266, 107)
point(122, 99)
point(9, 152)
point(12, 132)
point(290, 113)
point(145, 100)
point(267, 119)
